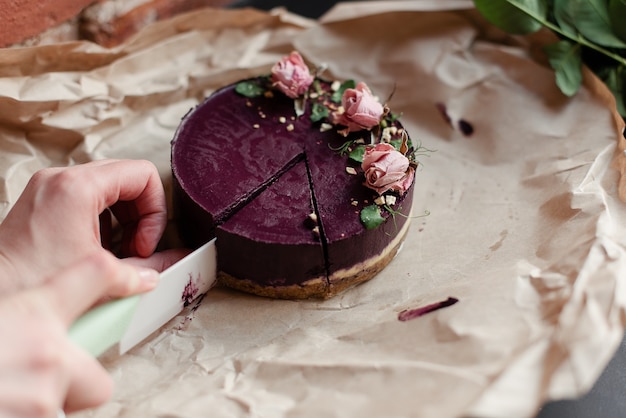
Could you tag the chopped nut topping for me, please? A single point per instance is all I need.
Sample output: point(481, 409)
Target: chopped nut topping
point(311, 221)
point(390, 200)
point(256, 126)
point(351, 170)
point(324, 127)
point(248, 103)
point(282, 119)
point(314, 95)
point(386, 136)
point(316, 231)
point(354, 203)
point(290, 127)
point(335, 85)
point(393, 130)
point(269, 94)
point(360, 141)
point(380, 200)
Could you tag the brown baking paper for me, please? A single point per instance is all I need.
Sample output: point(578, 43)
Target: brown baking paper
point(525, 226)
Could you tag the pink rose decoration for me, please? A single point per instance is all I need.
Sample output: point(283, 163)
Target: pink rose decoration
point(387, 169)
point(291, 75)
point(361, 109)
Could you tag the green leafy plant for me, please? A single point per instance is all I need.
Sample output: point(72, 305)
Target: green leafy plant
point(371, 216)
point(591, 32)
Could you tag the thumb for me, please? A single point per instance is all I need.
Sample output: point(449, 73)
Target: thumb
point(73, 290)
point(158, 261)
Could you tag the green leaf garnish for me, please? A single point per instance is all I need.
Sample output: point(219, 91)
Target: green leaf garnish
point(565, 58)
point(393, 117)
point(371, 216)
point(250, 89)
point(357, 153)
point(397, 143)
point(348, 84)
point(343, 148)
point(319, 112)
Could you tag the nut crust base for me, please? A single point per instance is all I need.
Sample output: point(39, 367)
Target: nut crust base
point(320, 287)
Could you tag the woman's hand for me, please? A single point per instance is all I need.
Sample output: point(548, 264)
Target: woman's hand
point(41, 370)
point(59, 217)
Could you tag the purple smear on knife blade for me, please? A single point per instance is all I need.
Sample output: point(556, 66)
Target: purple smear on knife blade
point(190, 292)
point(417, 312)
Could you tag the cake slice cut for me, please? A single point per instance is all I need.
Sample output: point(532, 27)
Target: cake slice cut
point(224, 152)
point(271, 246)
point(354, 253)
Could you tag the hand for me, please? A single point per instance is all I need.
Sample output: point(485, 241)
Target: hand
point(57, 219)
point(41, 370)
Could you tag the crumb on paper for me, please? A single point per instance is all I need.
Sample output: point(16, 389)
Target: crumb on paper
point(443, 110)
point(409, 314)
point(466, 127)
point(463, 125)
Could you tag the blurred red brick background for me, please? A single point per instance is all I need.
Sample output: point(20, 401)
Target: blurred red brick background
point(107, 22)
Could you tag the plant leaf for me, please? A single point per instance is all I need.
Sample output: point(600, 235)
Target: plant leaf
point(319, 112)
point(565, 58)
point(617, 14)
point(250, 89)
point(564, 18)
point(590, 18)
point(614, 80)
point(371, 216)
point(357, 153)
point(514, 16)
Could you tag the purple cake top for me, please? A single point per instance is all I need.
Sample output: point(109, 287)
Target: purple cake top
point(360, 161)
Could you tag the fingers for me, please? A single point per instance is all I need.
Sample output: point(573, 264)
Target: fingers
point(158, 261)
point(33, 364)
point(90, 385)
point(134, 191)
point(75, 289)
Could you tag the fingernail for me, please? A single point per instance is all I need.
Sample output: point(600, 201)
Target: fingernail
point(149, 277)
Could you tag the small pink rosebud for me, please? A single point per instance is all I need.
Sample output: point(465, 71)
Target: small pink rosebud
point(387, 169)
point(291, 75)
point(361, 109)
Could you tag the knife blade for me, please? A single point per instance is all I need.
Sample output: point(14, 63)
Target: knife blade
point(128, 321)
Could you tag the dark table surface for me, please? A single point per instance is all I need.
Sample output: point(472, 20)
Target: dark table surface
point(607, 399)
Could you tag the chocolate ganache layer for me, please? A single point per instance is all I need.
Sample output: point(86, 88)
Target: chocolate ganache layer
point(271, 179)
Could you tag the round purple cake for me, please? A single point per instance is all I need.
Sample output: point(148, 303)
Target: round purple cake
point(307, 193)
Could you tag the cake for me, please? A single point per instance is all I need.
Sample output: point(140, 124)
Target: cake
point(307, 183)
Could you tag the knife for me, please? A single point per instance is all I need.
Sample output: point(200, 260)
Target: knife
point(130, 320)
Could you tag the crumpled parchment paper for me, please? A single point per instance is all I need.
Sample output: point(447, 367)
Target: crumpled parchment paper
point(525, 228)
